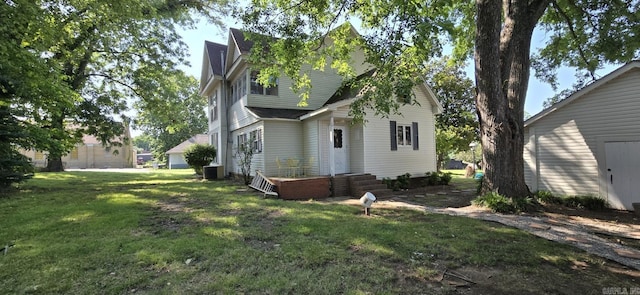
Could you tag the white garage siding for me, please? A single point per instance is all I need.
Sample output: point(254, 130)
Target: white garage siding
point(564, 149)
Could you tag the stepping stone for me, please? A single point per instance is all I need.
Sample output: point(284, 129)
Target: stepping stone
point(628, 253)
point(577, 240)
point(419, 196)
point(539, 226)
point(441, 193)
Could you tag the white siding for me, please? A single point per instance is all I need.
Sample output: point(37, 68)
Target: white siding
point(325, 85)
point(569, 154)
point(356, 141)
point(382, 161)
point(239, 116)
point(282, 139)
point(177, 161)
point(258, 160)
point(311, 144)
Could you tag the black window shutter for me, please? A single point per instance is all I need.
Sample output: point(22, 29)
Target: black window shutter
point(394, 138)
point(414, 134)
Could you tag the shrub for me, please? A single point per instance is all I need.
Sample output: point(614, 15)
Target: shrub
point(586, 202)
point(495, 202)
point(432, 178)
point(391, 184)
point(14, 167)
point(548, 197)
point(593, 202)
point(403, 180)
point(501, 204)
point(199, 155)
point(445, 178)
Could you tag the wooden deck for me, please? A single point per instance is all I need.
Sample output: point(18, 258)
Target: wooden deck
point(317, 187)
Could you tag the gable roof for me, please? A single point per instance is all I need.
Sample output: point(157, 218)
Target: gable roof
point(216, 53)
point(269, 113)
point(585, 90)
point(243, 44)
point(346, 91)
point(196, 139)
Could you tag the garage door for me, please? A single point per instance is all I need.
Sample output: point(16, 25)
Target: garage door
point(623, 169)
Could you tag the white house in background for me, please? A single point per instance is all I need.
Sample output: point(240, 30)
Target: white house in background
point(321, 134)
point(589, 143)
point(175, 156)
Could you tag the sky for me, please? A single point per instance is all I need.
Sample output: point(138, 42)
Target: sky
point(537, 92)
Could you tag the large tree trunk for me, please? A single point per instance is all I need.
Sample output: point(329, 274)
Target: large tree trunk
point(54, 159)
point(502, 74)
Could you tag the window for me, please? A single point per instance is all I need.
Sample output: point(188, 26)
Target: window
point(404, 135)
point(213, 104)
point(242, 138)
point(257, 88)
point(256, 140)
point(74, 154)
point(214, 143)
point(337, 138)
point(238, 88)
point(39, 156)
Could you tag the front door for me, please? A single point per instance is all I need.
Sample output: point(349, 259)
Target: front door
point(623, 160)
point(340, 149)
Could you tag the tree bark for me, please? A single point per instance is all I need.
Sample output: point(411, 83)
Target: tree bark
point(503, 41)
point(54, 159)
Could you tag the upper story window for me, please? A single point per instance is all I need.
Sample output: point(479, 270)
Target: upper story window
point(213, 106)
point(257, 88)
point(238, 87)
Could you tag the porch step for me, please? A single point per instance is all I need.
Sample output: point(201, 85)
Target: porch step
point(360, 184)
point(366, 182)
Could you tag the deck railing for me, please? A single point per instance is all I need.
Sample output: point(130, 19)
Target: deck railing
point(263, 184)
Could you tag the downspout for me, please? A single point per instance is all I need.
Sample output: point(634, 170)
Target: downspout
point(227, 107)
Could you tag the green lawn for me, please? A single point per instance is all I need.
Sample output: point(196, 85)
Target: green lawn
point(462, 182)
point(167, 233)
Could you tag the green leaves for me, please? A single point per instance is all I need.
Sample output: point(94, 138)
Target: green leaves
point(171, 110)
point(585, 34)
point(78, 62)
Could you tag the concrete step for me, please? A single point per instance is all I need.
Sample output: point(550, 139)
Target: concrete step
point(370, 187)
point(362, 177)
point(366, 182)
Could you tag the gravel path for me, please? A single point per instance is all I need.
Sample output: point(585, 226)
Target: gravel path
point(576, 235)
point(572, 233)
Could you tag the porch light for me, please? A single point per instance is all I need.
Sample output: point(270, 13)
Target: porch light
point(366, 201)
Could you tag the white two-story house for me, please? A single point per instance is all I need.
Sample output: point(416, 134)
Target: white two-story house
point(321, 135)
